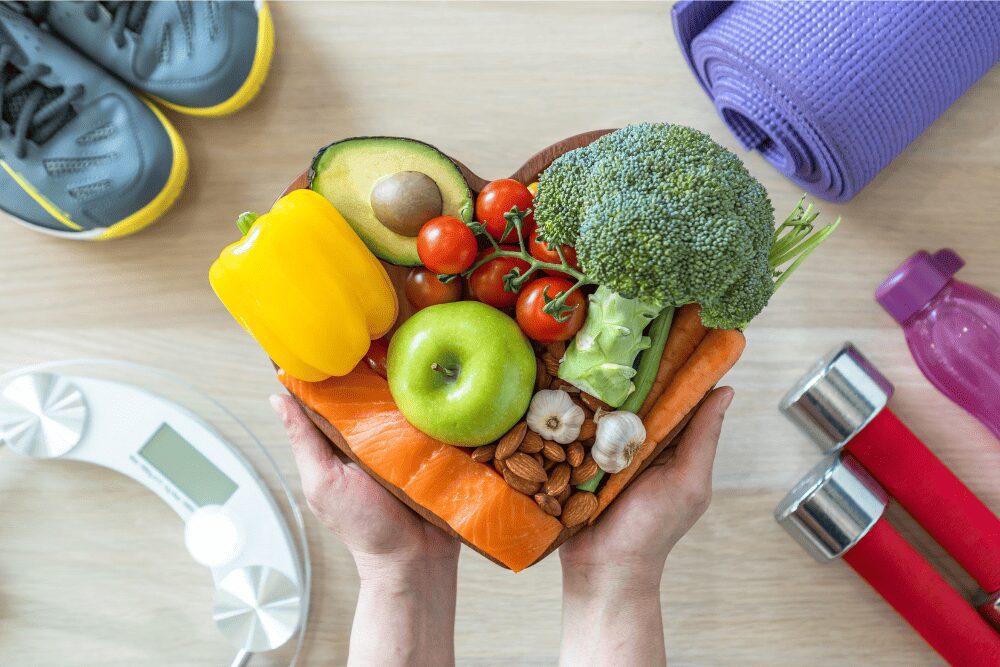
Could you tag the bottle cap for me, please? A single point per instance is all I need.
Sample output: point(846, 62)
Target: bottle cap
point(832, 508)
point(915, 282)
point(837, 398)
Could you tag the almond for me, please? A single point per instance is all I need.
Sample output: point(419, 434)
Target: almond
point(553, 451)
point(556, 349)
point(510, 442)
point(558, 480)
point(564, 496)
point(549, 465)
point(584, 471)
point(548, 504)
point(574, 453)
point(578, 508)
point(588, 430)
point(532, 443)
point(499, 466)
point(542, 378)
point(484, 453)
point(593, 402)
point(541, 459)
point(526, 467)
point(520, 484)
point(551, 364)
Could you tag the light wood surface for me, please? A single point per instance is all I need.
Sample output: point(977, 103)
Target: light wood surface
point(93, 569)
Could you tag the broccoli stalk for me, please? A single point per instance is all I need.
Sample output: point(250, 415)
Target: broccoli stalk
point(599, 361)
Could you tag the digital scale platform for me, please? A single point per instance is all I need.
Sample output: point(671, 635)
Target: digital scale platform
point(182, 445)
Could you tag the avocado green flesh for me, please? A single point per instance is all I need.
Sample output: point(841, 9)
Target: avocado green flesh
point(347, 171)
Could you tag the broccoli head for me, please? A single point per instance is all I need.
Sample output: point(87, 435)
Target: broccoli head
point(663, 213)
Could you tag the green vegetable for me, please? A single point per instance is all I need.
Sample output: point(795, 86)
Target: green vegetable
point(663, 215)
point(649, 362)
point(600, 359)
point(591, 484)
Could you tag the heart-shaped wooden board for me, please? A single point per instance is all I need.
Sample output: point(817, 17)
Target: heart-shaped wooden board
point(554, 534)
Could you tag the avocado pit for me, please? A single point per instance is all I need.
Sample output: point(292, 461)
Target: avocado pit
point(404, 201)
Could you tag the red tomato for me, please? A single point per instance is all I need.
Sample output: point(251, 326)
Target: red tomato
point(377, 354)
point(486, 282)
point(446, 245)
point(500, 197)
point(540, 250)
point(539, 325)
point(424, 289)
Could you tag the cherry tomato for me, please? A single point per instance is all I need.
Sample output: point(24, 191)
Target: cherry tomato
point(377, 355)
point(446, 245)
point(539, 325)
point(539, 249)
point(424, 289)
point(486, 282)
point(500, 197)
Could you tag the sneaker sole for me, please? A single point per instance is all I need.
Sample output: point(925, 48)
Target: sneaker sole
point(254, 81)
point(129, 225)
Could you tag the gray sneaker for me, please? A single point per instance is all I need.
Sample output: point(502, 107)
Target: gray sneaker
point(203, 58)
point(80, 156)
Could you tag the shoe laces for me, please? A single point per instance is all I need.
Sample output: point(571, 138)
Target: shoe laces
point(129, 16)
point(33, 111)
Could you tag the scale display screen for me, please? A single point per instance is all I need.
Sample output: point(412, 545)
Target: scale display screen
point(187, 468)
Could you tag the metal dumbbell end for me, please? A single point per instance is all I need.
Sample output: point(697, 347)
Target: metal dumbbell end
point(836, 511)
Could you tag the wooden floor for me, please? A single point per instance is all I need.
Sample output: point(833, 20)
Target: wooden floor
point(92, 568)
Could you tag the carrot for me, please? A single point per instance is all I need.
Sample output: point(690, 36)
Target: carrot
point(714, 356)
point(686, 332)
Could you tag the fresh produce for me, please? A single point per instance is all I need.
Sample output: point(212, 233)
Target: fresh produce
point(377, 356)
point(446, 245)
point(461, 372)
point(686, 332)
point(649, 360)
point(539, 325)
point(486, 281)
point(620, 434)
point(663, 214)
point(317, 315)
point(423, 288)
point(554, 416)
point(444, 481)
point(714, 356)
point(599, 361)
point(404, 201)
point(387, 214)
point(541, 250)
point(496, 200)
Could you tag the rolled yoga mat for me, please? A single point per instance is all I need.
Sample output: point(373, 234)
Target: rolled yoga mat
point(831, 92)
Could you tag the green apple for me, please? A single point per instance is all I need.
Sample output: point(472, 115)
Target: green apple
point(461, 372)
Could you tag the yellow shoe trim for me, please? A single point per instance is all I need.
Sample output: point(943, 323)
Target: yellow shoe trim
point(166, 197)
point(41, 199)
point(254, 81)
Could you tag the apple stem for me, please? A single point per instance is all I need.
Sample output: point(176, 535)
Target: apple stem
point(441, 369)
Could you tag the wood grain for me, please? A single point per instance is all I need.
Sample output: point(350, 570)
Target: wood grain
point(93, 570)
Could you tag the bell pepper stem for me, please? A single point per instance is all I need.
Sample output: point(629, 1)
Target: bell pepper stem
point(245, 221)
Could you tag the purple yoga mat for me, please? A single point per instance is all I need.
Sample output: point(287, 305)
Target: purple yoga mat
point(831, 92)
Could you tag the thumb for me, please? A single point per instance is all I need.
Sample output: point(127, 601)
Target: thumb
point(314, 456)
point(695, 453)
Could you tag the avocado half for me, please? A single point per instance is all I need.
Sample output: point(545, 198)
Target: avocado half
point(346, 172)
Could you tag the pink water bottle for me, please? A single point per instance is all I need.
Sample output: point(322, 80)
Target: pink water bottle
point(952, 328)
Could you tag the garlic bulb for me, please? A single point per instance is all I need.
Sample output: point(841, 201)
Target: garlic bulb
point(620, 434)
point(554, 416)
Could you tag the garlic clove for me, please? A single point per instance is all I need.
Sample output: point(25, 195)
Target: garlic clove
point(554, 416)
point(620, 434)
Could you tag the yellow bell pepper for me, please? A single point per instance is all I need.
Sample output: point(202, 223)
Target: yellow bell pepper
point(306, 287)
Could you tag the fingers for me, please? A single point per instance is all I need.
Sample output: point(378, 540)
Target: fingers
point(695, 453)
point(313, 453)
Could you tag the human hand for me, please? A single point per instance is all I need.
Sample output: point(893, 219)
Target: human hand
point(407, 567)
point(612, 570)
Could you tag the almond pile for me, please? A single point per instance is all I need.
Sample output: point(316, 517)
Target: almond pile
point(546, 470)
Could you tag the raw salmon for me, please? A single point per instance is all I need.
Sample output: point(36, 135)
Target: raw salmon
point(469, 496)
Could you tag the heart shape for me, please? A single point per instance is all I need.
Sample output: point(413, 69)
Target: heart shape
point(441, 483)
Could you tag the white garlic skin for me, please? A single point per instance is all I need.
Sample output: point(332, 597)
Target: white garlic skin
point(620, 434)
point(554, 416)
